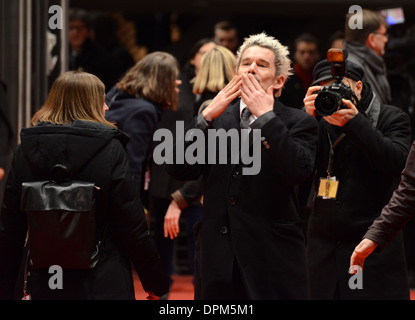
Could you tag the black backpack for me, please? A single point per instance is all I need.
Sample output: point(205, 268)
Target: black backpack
point(61, 222)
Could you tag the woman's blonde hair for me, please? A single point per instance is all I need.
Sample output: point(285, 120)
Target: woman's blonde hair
point(217, 70)
point(153, 78)
point(75, 95)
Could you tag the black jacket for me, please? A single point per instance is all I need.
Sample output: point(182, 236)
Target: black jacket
point(253, 220)
point(95, 153)
point(138, 118)
point(367, 163)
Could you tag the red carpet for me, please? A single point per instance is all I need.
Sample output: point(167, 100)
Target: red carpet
point(182, 288)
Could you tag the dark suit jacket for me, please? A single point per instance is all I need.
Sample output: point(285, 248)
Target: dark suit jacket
point(253, 220)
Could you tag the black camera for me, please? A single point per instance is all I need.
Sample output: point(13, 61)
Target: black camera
point(329, 98)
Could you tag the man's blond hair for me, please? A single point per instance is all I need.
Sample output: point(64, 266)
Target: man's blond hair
point(281, 53)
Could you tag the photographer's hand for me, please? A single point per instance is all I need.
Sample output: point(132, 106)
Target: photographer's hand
point(343, 116)
point(309, 99)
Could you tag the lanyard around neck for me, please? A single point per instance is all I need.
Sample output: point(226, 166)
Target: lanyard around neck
point(331, 155)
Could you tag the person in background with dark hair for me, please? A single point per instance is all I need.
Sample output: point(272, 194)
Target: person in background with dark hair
point(306, 55)
point(225, 34)
point(336, 40)
point(136, 103)
point(83, 53)
point(362, 149)
point(171, 199)
point(116, 59)
point(366, 47)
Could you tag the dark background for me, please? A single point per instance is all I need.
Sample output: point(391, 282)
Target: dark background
point(282, 19)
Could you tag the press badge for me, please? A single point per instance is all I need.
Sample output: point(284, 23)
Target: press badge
point(328, 188)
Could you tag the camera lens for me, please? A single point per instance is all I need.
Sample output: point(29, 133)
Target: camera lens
point(327, 103)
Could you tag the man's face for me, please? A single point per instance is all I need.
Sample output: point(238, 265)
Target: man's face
point(260, 62)
point(377, 40)
point(227, 38)
point(78, 33)
point(197, 59)
point(306, 55)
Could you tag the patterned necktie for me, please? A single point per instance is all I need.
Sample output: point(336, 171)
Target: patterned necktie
point(245, 118)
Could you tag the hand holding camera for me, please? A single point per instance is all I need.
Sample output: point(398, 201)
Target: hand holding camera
point(333, 102)
point(339, 118)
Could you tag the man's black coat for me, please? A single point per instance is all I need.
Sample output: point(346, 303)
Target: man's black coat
point(253, 220)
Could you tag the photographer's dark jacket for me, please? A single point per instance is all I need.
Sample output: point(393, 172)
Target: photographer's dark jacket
point(367, 162)
point(95, 153)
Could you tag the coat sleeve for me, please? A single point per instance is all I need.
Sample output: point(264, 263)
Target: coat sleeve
point(188, 193)
point(387, 146)
point(13, 230)
point(131, 223)
point(400, 209)
point(140, 127)
point(292, 149)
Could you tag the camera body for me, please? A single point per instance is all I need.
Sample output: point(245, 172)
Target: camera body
point(329, 98)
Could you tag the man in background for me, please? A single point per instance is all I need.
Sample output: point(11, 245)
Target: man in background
point(226, 35)
point(366, 47)
point(306, 55)
point(250, 241)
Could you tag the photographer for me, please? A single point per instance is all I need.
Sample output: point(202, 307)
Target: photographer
point(362, 149)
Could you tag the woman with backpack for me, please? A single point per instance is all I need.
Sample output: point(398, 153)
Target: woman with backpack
point(70, 144)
